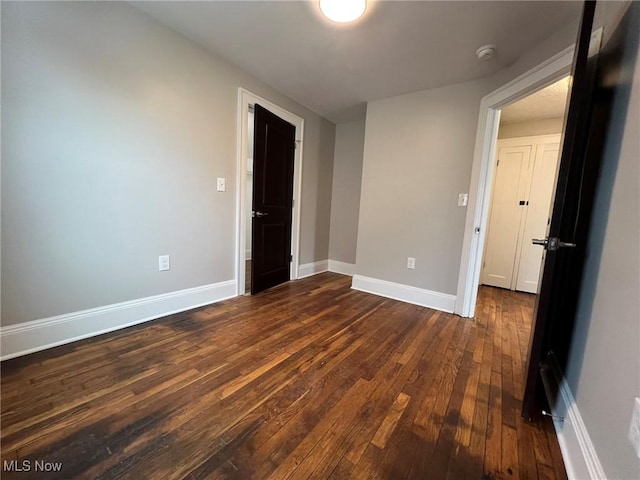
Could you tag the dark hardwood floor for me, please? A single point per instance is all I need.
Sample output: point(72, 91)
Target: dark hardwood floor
point(307, 380)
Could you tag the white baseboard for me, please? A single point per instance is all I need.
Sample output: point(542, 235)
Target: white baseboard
point(405, 293)
point(578, 452)
point(36, 335)
point(342, 267)
point(308, 269)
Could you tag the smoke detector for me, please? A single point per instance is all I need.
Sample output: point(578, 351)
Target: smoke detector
point(486, 52)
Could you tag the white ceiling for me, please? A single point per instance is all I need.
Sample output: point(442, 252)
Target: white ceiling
point(549, 102)
point(397, 47)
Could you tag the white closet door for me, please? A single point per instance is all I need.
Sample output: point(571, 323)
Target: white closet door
point(510, 187)
point(538, 211)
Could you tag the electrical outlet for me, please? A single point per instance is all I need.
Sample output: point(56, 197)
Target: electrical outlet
point(411, 263)
point(163, 263)
point(634, 428)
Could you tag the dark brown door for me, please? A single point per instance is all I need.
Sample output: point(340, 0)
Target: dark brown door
point(565, 244)
point(273, 156)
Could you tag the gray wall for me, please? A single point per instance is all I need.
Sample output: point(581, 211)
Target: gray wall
point(345, 200)
point(544, 126)
point(319, 138)
point(418, 152)
point(114, 129)
point(604, 367)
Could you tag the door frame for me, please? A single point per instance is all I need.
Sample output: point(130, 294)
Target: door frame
point(245, 99)
point(483, 169)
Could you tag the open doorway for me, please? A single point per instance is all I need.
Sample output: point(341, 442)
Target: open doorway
point(526, 159)
point(526, 164)
point(483, 169)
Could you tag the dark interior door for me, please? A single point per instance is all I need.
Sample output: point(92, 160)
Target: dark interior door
point(568, 229)
point(273, 156)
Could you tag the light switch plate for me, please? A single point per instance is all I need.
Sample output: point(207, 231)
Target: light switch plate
point(463, 199)
point(221, 184)
point(411, 263)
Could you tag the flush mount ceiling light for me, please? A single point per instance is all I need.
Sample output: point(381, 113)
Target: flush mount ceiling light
point(343, 11)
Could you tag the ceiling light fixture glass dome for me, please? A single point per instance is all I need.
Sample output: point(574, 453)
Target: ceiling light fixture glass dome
point(343, 11)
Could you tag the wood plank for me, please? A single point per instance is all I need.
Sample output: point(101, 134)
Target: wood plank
point(245, 379)
point(509, 460)
point(390, 421)
point(527, 463)
point(493, 448)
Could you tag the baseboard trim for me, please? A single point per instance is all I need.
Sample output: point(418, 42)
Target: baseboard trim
point(405, 293)
point(578, 452)
point(342, 267)
point(36, 335)
point(309, 269)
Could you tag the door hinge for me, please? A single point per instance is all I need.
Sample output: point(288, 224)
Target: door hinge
point(291, 258)
point(498, 163)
